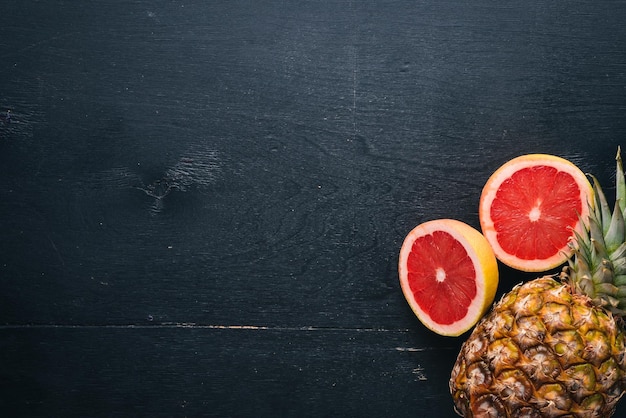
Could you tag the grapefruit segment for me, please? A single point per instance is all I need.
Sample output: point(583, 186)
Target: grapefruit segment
point(448, 274)
point(529, 209)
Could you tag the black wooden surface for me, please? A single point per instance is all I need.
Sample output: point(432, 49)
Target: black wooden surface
point(201, 203)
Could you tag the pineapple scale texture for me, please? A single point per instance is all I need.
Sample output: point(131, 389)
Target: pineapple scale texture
point(542, 351)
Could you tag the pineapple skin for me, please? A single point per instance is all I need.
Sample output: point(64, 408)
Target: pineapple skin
point(542, 351)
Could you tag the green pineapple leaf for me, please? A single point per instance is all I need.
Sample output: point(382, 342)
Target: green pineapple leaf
point(620, 183)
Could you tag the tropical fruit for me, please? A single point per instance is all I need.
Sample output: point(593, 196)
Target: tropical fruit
point(529, 209)
point(448, 274)
point(555, 347)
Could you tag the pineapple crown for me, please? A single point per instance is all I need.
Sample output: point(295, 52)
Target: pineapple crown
point(597, 267)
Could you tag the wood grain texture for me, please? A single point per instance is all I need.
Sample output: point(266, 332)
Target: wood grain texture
point(217, 372)
point(173, 171)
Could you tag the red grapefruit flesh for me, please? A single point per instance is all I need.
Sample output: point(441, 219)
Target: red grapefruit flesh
point(530, 208)
point(448, 274)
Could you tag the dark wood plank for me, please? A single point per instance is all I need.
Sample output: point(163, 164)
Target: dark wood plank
point(192, 371)
point(310, 138)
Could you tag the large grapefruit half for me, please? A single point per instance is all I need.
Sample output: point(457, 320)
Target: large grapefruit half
point(530, 208)
point(448, 274)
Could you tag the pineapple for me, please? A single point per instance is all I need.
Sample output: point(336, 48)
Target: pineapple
point(555, 346)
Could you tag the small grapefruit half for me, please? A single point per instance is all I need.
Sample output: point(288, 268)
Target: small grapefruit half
point(529, 209)
point(448, 274)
